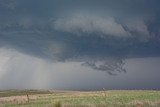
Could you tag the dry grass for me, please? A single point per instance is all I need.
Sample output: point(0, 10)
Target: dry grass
point(84, 99)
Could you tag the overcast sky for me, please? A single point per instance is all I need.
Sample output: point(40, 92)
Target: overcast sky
point(79, 44)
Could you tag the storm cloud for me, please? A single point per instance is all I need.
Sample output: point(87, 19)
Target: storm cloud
point(93, 35)
point(90, 24)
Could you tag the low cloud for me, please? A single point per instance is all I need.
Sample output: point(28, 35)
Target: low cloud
point(82, 23)
point(111, 66)
point(85, 24)
point(138, 28)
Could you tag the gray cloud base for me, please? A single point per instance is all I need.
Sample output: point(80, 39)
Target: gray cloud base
point(91, 31)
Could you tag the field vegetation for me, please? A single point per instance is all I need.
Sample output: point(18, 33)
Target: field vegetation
point(50, 98)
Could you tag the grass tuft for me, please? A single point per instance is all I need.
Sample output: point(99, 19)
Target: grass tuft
point(58, 104)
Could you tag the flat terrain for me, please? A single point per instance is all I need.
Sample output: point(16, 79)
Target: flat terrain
point(51, 98)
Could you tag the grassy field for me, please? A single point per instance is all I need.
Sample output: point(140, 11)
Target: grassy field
point(113, 98)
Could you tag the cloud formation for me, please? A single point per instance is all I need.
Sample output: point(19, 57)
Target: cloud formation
point(110, 66)
point(21, 71)
point(84, 23)
point(138, 27)
point(8, 4)
point(99, 35)
point(87, 24)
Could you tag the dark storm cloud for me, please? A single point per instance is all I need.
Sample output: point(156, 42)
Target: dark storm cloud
point(8, 4)
point(87, 31)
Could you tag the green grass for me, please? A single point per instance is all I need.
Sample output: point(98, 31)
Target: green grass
point(85, 99)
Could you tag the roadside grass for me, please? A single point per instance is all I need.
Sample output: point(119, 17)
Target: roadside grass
point(117, 98)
